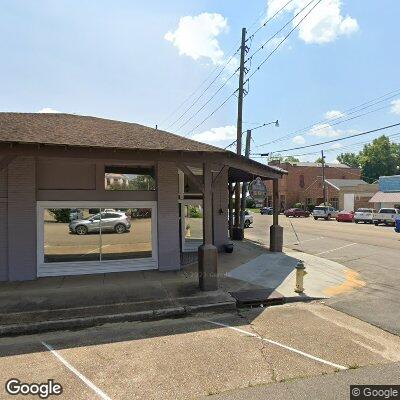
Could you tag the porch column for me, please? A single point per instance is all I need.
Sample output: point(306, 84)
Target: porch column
point(208, 255)
point(275, 230)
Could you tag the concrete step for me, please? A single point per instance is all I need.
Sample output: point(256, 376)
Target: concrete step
point(80, 318)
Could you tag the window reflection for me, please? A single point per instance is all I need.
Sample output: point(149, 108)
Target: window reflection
point(193, 226)
point(94, 234)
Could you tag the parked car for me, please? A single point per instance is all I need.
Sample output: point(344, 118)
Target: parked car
point(364, 215)
point(324, 212)
point(116, 222)
point(386, 216)
point(75, 213)
point(266, 211)
point(248, 218)
point(345, 216)
point(296, 213)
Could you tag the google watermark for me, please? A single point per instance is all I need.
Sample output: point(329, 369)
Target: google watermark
point(361, 392)
point(43, 390)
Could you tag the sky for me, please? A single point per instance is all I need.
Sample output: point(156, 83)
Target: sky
point(142, 61)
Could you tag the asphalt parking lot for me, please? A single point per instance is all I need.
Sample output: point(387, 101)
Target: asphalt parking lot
point(373, 251)
point(197, 356)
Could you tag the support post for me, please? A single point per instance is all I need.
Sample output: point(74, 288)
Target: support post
point(275, 230)
point(244, 185)
point(230, 209)
point(208, 254)
point(323, 176)
point(237, 231)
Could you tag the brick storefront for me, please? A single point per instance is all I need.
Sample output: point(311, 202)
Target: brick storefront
point(303, 184)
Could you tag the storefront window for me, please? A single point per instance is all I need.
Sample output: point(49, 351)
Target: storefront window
point(192, 225)
point(129, 178)
point(96, 234)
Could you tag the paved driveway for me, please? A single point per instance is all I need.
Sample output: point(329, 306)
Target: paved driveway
point(199, 356)
point(373, 251)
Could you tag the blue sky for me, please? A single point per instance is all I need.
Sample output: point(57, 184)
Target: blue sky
point(137, 61)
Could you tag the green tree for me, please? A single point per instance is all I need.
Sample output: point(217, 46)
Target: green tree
point(381, 157)
point(350, 159)
point(319, 160)
point(291, 159)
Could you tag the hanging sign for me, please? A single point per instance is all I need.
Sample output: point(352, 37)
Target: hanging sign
point(258, 191)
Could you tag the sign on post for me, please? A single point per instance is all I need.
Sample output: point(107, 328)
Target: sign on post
point(258, 191)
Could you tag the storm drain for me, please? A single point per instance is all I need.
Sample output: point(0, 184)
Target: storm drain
point(257, 297)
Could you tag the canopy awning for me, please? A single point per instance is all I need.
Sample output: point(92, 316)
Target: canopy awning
point(382, 197)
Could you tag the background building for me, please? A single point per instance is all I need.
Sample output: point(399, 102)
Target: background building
point(389, 192)
point(303, 184)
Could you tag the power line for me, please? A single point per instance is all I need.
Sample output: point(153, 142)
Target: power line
point(347, 112)
point(269, 19)
point(212, 113)
point(279, 31)
point(335, 140)
point(205, 90)
point(283, 40)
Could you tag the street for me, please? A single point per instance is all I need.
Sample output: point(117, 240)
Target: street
point(199, 356)
point(373, 251)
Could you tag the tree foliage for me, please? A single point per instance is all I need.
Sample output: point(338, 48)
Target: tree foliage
point(378, 158)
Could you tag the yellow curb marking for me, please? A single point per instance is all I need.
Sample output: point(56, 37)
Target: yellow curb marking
point(352, 282)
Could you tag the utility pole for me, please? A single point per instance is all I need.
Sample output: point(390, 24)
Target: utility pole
point(244, 186)
point(323, 176)
point(237, 233)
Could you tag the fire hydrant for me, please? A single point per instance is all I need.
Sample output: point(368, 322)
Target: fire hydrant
point(300, 273)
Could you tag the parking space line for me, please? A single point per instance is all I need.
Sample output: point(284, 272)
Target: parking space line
point(278, 344)
point(91, 385)
point(307, 240)
point(337, 248)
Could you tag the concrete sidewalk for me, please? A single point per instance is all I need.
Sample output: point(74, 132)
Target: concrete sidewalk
point(95, 299)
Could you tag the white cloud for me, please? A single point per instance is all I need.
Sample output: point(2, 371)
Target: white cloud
point(323, 25)
point(324, 130)
point(216, 134)
point(299, 139)
point(334, 114)
point(336, 146)
point(395, 109)
point(48, 110)
point(196, 37)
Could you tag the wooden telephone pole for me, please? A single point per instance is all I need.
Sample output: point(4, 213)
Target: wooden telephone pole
point(237, 232)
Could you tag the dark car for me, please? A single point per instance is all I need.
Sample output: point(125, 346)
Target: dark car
point(266, 211)
point(296, 213)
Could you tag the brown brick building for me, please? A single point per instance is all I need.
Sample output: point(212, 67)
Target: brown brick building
point(303, 184)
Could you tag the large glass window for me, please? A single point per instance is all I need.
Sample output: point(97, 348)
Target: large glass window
point(191, 225)
point(129, 178)
point(96, 234)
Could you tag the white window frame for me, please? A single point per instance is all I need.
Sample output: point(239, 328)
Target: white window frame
point(186, 248)
point(94, 267)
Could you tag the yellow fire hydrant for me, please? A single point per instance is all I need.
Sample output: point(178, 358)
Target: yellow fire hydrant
point(300, 273)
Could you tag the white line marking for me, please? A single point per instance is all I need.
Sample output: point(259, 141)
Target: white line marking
point(337, 248)
point(92, 386)
point(278, 344)
point(307, 240)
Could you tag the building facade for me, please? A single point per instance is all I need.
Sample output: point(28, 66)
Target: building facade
point(304, 184)
point(60, 214)
point(388, 195)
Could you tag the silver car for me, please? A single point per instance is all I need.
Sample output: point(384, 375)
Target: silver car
point(115, 221)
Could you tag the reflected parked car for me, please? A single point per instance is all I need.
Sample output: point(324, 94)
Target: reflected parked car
point(296, 213)
point(116, 222)
point(266, 211)
point(345, 216)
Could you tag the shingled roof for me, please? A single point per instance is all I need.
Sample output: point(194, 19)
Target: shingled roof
point(77, 130)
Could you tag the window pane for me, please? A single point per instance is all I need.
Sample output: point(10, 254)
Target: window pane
point(70, 235)
point(126, 234)
point(193, 228)
point(129, 178)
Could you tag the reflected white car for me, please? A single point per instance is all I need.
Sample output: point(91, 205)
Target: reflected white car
point(114, 221)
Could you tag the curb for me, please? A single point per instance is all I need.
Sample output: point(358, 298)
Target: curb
point(87, 322)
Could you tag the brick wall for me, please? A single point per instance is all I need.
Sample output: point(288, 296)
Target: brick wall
point(168, 216)
point(3, 226)
point(304, 182)
point(22, 219)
